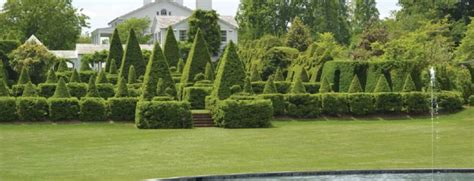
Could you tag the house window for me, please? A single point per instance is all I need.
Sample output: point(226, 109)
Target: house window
point(164, 12)
point(224, 36)
point(183, 36)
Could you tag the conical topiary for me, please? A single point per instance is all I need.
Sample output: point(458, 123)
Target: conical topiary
point(279, 75)
point(382, 85)
point(409, 85)
point(122, 89)
point(171, 48)
point(161, 89)
point(30, 90)
point(62, 67)
point(115, 52)
point(180, 65)
point(75, 77)
point(24, 76)
point(209, 75)
point(303, 75)
point(3, 89)
point(102, 78)
point(255, 75)
point(92, 89)
point(298, 87)
point(132, 76)
point(132, 56)
point(52, 78)
point(270, 87)
point(355, 85)
point(197, 59)
point(157, 68)
point(248, 86)
point(61, 90)
point(325, 86)
point(85, 66)
point(113, 67)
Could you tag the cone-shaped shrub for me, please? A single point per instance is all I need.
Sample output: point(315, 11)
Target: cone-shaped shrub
point(113, 67)
point(304, 75)
point(115, 52)
point(61, 90)
point(52, 78)
point(85, 66)
point(298, 87)
point(62, 67)
point(325, 86)
point(122, 89)
point(255, 75)
point(160, 88)
point(102, 78)
point(3, 89)
point(132, 76)
point(132, 56)
point(409, 85)
point(92, 89)
point(75, 77)
point(209, 72)
point(382, 85)
point(157, 68)
point(355, 85)
point(24, 76)
point(270, 87)
point(197, 59)
point(248, 86)
point(180, 65)
point(171, 49)
point(231, 72)
point(279, 75)
point(30, 90)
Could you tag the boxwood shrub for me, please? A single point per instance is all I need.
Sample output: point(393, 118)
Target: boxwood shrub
point(278, 103)
point(450, 101)
point(416, 102)
point(122, 109)
point(7, 109)
point(312, 88)
point(388, 102)
point(77, 90)
point(334, 103)
point(471, 100)
point(93, 109)
point(63, 109)
point(303, 105)
point(17, 90)
point(361, 103)
point(163, 98)
point(163, 115)
point(106, 90)
point(243, 114)
point(46, 90)
point(282, 87)
point(196, 96)
point(32, 108)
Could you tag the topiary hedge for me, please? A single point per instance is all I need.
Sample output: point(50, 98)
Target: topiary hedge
point(46, 89)
point(243, 114)
point(450, 101)
point(197, 59)
point(231, 72)
point(77, 90)
point(196, 96)
point(163, 115)
point(32, 108)
point(361, 103)
point(388, 102)
point(303, 105)
point(416, 102)
point(63, 109)
point(7, 109)
point(471, 101)
point(106, 90)
point(278, 103)
point(93, 109)
point(334, 103)
point(17, 90)
point(122, 109)
point(281, 87)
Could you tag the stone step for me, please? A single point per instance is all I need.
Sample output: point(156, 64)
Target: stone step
point(202, 119)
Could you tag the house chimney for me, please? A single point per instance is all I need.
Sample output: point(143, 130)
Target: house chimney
point(146, 2)
point(204, 4)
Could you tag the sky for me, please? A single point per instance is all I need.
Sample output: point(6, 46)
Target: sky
point(103, 11)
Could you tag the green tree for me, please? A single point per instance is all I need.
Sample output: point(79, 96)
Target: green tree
point(330, 16)
point(115, 51)
point(209, 72)
point(230, 73)
point(92, 88)
point(138, 25)
point(465, 51)
point(180, 66)
point(197, 60)
point(52, 78)
point(157, 68)
point(248, 86)
point(61, 90)
point(102, 78)
point(85, 66)
point(171, 48)
point(62, 66)
point(113, 67)
point(207, 23)
point(36, 58)
point(279, 75)
point(133, 56)
point(255, 75)
point(122, 89)
point(355, 85)
point(56, 23)
point(365, 13)
point(298, 36)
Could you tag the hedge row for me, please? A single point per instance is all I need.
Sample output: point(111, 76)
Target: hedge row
point(284, 87)
point(243, 114)
point(163, 115)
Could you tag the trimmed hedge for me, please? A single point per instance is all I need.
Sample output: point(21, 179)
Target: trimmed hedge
point(32, 108)
point(93, 109)
point(282, 87)
point(303, 105)
point(77, 90)
point(312, 88)
point(278, 103)
point(450, 101)
point(197, 59)
point(388, 102)
point(7, 109)
point(416, 102)
point(63, 109)
point(106, 90)
point(471, 100)
point(361, 103)
point(163, 98)
point(334, 104)
point(17, 90)
point(230, 73)
point(196, 96)
point(132, 57)
point(163, 115)
point(46, 90)
point(86, 75)
point(243, 114)
point(122, 109)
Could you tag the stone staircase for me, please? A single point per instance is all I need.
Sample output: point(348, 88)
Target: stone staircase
point(203, 120)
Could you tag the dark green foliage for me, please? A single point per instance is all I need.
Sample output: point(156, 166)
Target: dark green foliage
point(209, 72)
point(132, 76)
point(75, 78)
point(395, 72)
point(62, 67)
point(341, 74)
point(93, 109)
point(30, 90)
point(450, 101)
point(113, 67)
point(115, 52)
point(7, 109)
point(303, 75)
point(304, 105)
point(382, 85)
point(61, 90)
point(157, 69)
point(298, 36)
point(17, 90)
point(102, 78)
point(122, 109)
point(106, 90)
point(160, 88)
point(24, 76)
point(409, 85)
point(132, 56)
point(248, 86)
point(163, 115)
point(298, 87)
point(3, 89)
point(196, 96)
point(77, 90)
point(46, 89)
point(361, 103)
point(278, 103)
point(197, 60)
point(163, 98)
point(163, 71)
point(207, 23)
point(334, 103)
point(85, 76)
point(92, 89)
point(243, 114)
point(230, 72)
point(180, 66)
point(270, 87)
point(388, 102)
point(255, 75)
point(355, 85)
point(122, 89)
point(325, 86)
point(279, 75)
point(85, 66)
point(199, 77)
point(277, 57)
point(416, 102)
point(171, 48)
point(235, 89)
point(3, 71)
point(52, 78)
point(63, 109)
point(312, 88)
point(471, 101)
point(32, 108)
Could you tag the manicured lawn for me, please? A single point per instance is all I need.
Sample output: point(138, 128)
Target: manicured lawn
point(121, 152)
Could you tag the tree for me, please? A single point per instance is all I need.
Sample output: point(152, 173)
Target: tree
point(75, 77)
point(464, 51)
point(157, 68)
point(52, 78)
point(279, 75)
point(298, 36)
point(331, 16)
point(355, 85)
point(270, 87)
point(62, 66)
point(171, 48)
point(365, 13)
point(35, 57)
point(92, 89)
point(57, 23)
point(139, 25)
point(113, 67)
point(122, 89)
point(30, 90)
point(85, 66)
point(180, 66)
point(207, 23)
point(115, 51)
point(24, 76)
point(248, 86)
point(133, 56)
point(61, 90)
point(197, 60)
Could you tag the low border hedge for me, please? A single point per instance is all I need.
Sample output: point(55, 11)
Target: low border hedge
point(303, 105)
point(196, 96)
point(63, 109)
point(163, 115)
point(93, 109)
point(32, 108)
point(416, 102)
point(278, 103)
point(8, 109)
point(334, 103)
point(243, 114)
point(388, 102)
point(46, 90)
point(122, 109)
point(361, 103)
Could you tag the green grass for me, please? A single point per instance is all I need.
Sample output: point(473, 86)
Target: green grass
point(121, 152)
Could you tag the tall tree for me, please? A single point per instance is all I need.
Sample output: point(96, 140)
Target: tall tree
point(115, 51)
point(132, 56)
point(365, 13)
point(465, 51)
point(331, 16)
point(298, 36)
point(207, 23)
point(36, 58)
point(139, 25)
point(171, 48)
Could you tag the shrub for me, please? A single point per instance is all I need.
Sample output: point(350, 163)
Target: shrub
point(163, 98)
point(416, 102)
point(171, 48)
point(230, 73)
point(163, 115)
point(24, 76)
point(270, 87)
point(334, 103)
point(278, 103)
point(102, 78)
point(132, 57)
point(92, 89)
point(355, 85)
point(450, 101)
point(279, 75)
point(7, 109)
point(122, 109)
point(243, 114)
point(277, 57)
point(52, 78)
point(196, 96)
point(30, 90)
point(304, 105)
point(93, 109)
point(382, 85)
point(61, 90)
point(298, 87)
point(115, 51)
point(47, 89)
point(248, 87)
point(471, 101)
point(122, 89)
point(388, 102)
point(86, 75)
point(132, 76)
point(63, 109)
point(77, 90)
point(106, 90)
point(255, 75)
point(3, 90)
point(85, 66)
point(312, 88)
point(325, 86)
point(32, 108)
point(197, 59)
point(157, 69)
point(361, 103)
point(113, 70)
point(17, 90)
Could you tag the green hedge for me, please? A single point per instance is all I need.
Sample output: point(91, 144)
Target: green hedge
point(106, 90)
point(388, 102)
point(46, 90)
point(334, 103)
point(303, 105)
point(196, 96)
point(122, 109)
point(32, 108)
point(7, 109)
point(163, 115)
point(77, 90)
point(63, 109)
point(163, 98)
point(416, 102)
point(282, 87)
point(361, 103)
point(450, 101)
point(341, 73)
point(17, 90)
point(471, 100)
point(243, 114)
point(93, 109)
point(312, 88)
point(86, 75)
point(278, 103)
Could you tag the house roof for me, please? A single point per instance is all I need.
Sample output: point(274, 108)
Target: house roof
point(83, 49)
point(67, 54)
point(164, 22)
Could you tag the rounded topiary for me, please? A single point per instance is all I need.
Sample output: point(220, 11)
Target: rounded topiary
point(255, 75)
point(92, 88)
point(382, 85)
point(102, 78)
point(3, 89)
point(132, 76)
point(248, 86)
point(30, 90)
point(279, 75)
point(355, 85)
point(52, 78)
point(75, 77)
point(122, 89)
point(24, 76)
point(270, 87)
point(409, 85)
point(298, 87)
point(113, 67)
point(61, 90)
point(209, 72)
point(325, 86)
point(62, 67)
